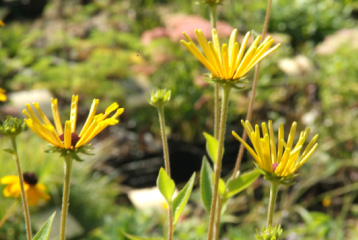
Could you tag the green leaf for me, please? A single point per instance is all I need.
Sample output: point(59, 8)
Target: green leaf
point(222, 187)
point(132, 237)
point(166, 185)
point(206, 186)
point(212, 146)
point(9, 150)
point(182, 198)
point(241, 182)
point(45, 230)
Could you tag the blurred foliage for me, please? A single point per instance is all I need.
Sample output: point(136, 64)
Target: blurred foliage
point(89, 212)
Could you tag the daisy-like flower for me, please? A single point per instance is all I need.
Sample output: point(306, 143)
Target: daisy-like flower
point(34, 191)
point(229, 62)
point(67, 138)
point(284, 160)
point(3, 97)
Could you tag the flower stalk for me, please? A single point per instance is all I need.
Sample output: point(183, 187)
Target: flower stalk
point(22, 189)
point(224, 107)
point(272, 202)
point(218, 216)
point(170, 222)
point(216, 86)
point(164, 139)
point(66, 194)
point(252, 99)
point(7, 214)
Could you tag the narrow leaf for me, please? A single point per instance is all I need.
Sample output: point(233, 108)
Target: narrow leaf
point(211, 146)
point(206, 186)
point(44, 232)
point(166, 185)
point(132, 237)
point(9, 150)
point(182, 198)
point(241, 182)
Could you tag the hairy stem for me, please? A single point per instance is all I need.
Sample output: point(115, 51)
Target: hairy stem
point(224, 107)
point(22, 189)
point(272, 202)
point(65, 197)
point(170, 222)
point(164, 139)
point(217, 220)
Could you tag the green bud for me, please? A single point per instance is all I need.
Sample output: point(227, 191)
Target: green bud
point(159, 97)
point(12, 126)
point(270, 233)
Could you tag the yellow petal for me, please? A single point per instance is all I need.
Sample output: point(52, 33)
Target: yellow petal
point(239, 73)
point(42, 115)
point(283, 162)
point(216, 43)
point(272, 143)
point(91, 114)
point(9, 179)
point(281, 133)
point(67, 135)
point(291, 135)
point(196, 52)
point(309, 146)
point(248, 148)
point(242, 50)
point(73, 117)
point(217, 61)
point(233, 53)
point(33, 196)
point(118, 113)
point(56, 116)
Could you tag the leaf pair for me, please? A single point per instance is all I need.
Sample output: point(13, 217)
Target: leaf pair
point(167, 187)
point(226, 190)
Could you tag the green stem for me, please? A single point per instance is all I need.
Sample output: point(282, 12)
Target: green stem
point(252, 99)
point(224, 107)
point(164, 139)
point(170, 222)
point(22, 188)
point(213, 15)
point(216, 110)
point(217, 220)
point(271, 207)
point(66, 194)
point(216, 90)
point(7, 214)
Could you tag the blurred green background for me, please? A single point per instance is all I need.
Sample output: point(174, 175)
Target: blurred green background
point(120, 50)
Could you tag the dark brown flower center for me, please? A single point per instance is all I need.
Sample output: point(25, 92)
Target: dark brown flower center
point(274, 166)
point(30, 178)
point(74, 138)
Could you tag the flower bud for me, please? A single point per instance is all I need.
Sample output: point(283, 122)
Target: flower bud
point(159, 97)
point(270, 233)
point(12, 126)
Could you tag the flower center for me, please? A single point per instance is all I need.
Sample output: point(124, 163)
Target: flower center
point(74, 138)
point(30, 178)
point(274, 166)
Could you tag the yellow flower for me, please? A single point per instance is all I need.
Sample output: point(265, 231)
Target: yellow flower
point(34, 190)
point(2, 24)
point(283, 161)
point(67, 138)
point(2, 94)
point(229, 62)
